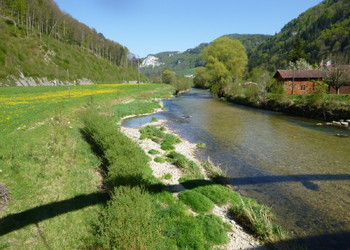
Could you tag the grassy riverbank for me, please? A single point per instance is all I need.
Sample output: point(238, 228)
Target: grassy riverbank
point(48, 166)
point(72, 182)
point(319, 106)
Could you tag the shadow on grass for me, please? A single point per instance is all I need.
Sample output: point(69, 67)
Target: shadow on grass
point(35, 215)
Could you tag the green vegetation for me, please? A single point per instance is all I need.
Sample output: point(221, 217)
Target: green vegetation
point(47, 165)
point(153, 152)
point(198, 202)
point(226, 61)
point(157, 135)
point(38, 41)
point(317, 105)
point(191, 169)
point(139, 213)
point(159, 159)
point(259, 219)
point(186, 62)
point(317, 34)
point(167, 176)
point(201, 145)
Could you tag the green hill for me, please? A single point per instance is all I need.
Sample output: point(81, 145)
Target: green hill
point(189, 59)
point(320, 32)
point(45, 47)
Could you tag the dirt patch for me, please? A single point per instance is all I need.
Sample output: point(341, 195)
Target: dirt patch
point(4, 196)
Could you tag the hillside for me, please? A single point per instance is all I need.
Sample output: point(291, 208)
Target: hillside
point(321, 31)
point(40, 45)
point(189, 59)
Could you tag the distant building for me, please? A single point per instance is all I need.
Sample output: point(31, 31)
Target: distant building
point(299, 81)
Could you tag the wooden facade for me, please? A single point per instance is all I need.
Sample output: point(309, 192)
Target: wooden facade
point(298, 81)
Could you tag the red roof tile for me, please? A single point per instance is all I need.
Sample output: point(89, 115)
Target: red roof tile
point(309, 74)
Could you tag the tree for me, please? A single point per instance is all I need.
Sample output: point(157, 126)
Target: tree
point(338, 74)
point(300, 64)
point(226, 62)
point(168, 76)
point(201, 79)
point(297, 52)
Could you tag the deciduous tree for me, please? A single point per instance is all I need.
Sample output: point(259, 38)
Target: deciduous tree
point(226, 61)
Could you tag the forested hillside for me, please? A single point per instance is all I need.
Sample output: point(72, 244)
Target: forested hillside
point(39, 40)
point(189, 59)
point(319, 33)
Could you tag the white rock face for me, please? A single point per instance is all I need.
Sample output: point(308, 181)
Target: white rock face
point(151, 61)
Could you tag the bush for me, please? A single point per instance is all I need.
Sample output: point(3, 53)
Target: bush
point(198, 202)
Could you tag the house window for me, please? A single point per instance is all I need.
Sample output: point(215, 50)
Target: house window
point(302, 87)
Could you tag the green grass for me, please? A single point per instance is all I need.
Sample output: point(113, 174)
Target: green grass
point(153, 152)
point(191, 169)
point(49, 167)
point(45, 57)
point(196, 201)
point(159, 159)
point(167, 176)
point(157, 135)
point(140, 214)
point(201, 145)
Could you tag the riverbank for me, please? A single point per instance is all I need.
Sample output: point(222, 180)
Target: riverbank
point(238, 238)
point(174, 176)
point(326, 108)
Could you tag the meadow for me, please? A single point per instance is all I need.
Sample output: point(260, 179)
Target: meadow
point(49, 168)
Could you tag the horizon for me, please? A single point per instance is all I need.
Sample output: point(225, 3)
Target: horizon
point(159, 26)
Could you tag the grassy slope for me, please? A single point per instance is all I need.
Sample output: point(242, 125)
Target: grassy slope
point(49, 58)
point(50, 169)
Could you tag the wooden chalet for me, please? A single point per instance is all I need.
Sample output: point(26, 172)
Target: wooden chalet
point(299, 81)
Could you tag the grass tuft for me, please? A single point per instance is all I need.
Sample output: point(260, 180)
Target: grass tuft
point(196, 201)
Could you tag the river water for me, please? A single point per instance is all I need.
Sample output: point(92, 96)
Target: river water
point(299, 169)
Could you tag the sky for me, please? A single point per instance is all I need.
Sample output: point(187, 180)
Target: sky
point(153, 26)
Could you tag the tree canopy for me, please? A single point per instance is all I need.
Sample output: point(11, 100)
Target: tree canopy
point(226, 61)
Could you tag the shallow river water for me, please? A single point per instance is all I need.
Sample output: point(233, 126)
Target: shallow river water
point(299, 169)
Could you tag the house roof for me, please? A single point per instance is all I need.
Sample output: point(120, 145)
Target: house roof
point(308, 74)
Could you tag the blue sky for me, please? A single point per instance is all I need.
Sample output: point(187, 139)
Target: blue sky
point(152, 26)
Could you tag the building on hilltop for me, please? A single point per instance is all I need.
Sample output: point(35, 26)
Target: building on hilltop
point(299, 81)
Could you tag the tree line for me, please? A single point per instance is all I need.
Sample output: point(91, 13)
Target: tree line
point(44, 18)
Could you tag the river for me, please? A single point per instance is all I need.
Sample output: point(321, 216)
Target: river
point(299, 169)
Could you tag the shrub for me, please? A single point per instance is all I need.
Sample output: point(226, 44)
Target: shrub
point(198, 202)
